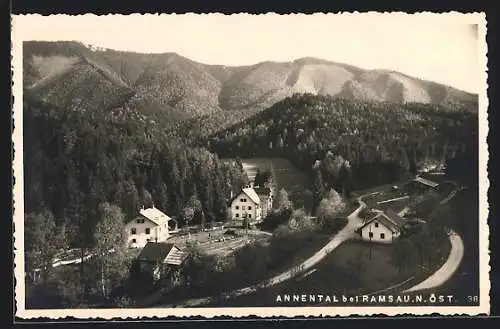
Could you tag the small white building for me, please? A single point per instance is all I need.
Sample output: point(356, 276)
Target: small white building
point(382, 227)
point(246, 204)
point(152, 225)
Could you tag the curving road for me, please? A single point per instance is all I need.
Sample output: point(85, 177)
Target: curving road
point(346, 233)
point(353, 223)
point(446, 271)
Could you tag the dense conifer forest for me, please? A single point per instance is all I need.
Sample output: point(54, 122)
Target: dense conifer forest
point(75, 161)
point(349, 144)
point(86, 173)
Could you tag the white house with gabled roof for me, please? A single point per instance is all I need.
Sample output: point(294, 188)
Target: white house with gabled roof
point(382, 227)
point(246, 204)
point(152, 225)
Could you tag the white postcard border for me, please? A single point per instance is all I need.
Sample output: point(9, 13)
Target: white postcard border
point(138, 313)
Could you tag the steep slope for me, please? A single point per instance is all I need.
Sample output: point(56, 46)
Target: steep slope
point(260, 85)
point(384, 85)
point(180, 83)
point(76, 76)
point(321, 79)
point(74, 87)
point(266, 83)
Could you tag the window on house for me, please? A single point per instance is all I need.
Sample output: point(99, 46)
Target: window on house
point(376, 224)
point(243, 208)
point(237, 215)
point(134, 241)
point(133, 230)
point(249, 215)
point(148, 230)
point(249, 207)
point(382, 236)
point(237, 207)
point(140, 220)
point(242, 200)
point(370, 234)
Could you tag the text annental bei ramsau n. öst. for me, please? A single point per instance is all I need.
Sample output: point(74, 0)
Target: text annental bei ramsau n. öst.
point(375, 299)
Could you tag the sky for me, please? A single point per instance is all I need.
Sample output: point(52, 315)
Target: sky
point(441, 48)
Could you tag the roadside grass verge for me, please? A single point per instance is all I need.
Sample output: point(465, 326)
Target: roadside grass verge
point(350, 271)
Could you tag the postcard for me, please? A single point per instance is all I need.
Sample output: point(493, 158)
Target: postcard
point(250, 165)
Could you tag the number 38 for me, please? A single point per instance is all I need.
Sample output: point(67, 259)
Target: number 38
point(472, 299)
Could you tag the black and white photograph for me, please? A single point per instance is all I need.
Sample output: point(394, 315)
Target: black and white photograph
point(236, 165)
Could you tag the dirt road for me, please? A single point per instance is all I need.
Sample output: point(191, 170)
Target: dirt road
point(446, 271)
point(354, 222)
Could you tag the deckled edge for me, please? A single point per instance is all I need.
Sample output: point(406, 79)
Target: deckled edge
point(252, 312)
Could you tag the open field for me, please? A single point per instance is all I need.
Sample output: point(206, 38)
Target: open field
point(396, 205)
point(396, 196)
point(382, 188)
point(395, 200)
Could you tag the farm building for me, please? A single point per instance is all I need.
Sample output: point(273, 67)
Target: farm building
point(156, 256)
point(420, 185)
point(425, 182)
point(383, 227)
point(246, 204)
point(152, 225)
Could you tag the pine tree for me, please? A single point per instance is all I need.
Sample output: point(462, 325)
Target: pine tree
point(318, 188)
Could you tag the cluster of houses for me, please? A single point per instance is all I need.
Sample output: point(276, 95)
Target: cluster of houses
point(151, 229)
point(386, 226)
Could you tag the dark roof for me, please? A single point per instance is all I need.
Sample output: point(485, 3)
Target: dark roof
point(262, 190)
point(394, 217)
point(389, 219)
point(155, 251)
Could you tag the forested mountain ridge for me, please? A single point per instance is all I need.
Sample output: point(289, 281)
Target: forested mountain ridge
point(75, 76)
point(74, 161)
point(367, 143)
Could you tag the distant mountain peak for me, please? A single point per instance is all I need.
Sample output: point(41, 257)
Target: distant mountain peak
point(185, 88)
